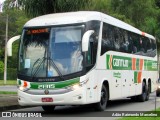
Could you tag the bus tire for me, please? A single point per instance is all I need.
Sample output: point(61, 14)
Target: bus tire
point(48, 108)
point(101, 106)
point(134, 98)
point(148, 92)
point(143, 96)
point(157, 94)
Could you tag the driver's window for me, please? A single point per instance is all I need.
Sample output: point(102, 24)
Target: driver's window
point(92, 51)
point(93, 42)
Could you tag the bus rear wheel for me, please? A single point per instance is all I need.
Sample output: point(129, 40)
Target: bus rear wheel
point(101, 106)
point(143, 96)
point(48, 108)
point(148, 89)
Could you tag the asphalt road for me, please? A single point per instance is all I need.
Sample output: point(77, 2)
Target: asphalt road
point(8, 88)
point(70, 112)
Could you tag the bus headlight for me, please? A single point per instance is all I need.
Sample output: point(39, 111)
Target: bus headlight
point(78, 85)
point(21, 88)
point(75, 86)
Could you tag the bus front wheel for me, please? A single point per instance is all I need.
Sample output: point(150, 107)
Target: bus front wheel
point(48, 108)
point(101, 106)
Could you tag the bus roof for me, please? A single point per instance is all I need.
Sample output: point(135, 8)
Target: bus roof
point(80, 17)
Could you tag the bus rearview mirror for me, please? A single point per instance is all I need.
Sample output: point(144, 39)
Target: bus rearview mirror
point(85, 40)
point(9, 44)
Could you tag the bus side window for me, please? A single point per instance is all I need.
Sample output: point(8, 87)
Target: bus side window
point(124, 41)
point(107, 38)
point(131, 48)
point(154, 44)
point(135, 43)
point(117, 39)
point(150, 47)
point(141, 45)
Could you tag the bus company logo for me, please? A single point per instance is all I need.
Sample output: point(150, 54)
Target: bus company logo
point(46, 92)
point(117, 62)
point(46, 86)
point(120, 63)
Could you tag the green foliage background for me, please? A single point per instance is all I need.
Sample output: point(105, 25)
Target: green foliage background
point(142, 14)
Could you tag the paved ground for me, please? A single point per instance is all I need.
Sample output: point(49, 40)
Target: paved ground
point(8, 88)
point(83, 112)
point(116, 105)
point(8, 100)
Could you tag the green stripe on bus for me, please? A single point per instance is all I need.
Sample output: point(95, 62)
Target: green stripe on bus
point(107, 63)
point(151, 65)
point(135, 77)
point(125, 63)
point(137, 64)
point(145, 64)
point(61, 84)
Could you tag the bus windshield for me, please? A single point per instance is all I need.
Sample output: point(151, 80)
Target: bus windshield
point(51, 52)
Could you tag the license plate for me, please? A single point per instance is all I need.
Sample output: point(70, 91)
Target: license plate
point(47, 99)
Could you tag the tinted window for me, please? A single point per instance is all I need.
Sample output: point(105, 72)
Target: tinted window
point(117, 39)
point(93, 45)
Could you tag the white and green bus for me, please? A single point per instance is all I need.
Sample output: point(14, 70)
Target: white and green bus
point(79, 58)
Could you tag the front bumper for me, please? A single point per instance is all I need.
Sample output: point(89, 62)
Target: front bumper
point(75, 97)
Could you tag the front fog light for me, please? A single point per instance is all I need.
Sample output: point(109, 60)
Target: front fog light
point(23, 88)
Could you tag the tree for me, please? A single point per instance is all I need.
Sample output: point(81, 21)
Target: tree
point(17, 19)
point(1, 66)
point(157, 3)
point(135, 10)
point(144, 14)
point(98, 5)
point(40, 7)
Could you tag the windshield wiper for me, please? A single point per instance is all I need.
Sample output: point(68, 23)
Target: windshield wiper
point(38, 67)
point(55, 66)
point(41, 61)
point(35, 64)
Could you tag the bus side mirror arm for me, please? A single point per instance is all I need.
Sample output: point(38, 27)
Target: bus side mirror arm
point(9, 44)
point(85, 40)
